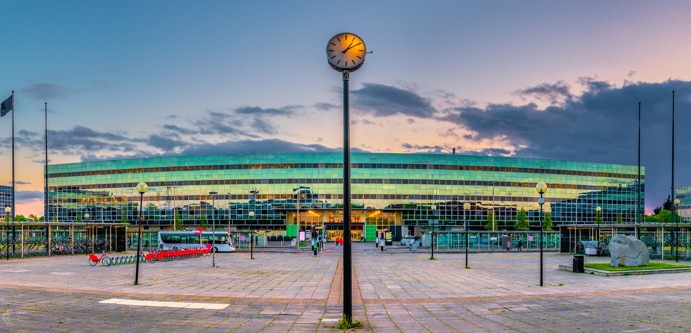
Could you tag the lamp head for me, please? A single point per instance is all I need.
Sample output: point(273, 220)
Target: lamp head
point(676, 202)
point(466, 206)
point(8, 210)
point(86, 216)
point(434, 207)
point(251, 214)
point(541, 188)
point(142, 187)
point(598, 209)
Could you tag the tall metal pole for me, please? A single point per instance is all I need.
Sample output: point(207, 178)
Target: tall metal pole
point(466, 206)
point(213, 228)
point(434, 209)
point(45, 171)
point(141, 188)
point(541, 188)
point(14, 192)
point(638, 188)
point(493, 206)
point(541, 202)
point(139, 238)
point(347, 265)
point(297, 217)
point(675, 231)
point(7, 231)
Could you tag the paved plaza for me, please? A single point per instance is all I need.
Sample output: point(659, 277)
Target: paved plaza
point(285, 291)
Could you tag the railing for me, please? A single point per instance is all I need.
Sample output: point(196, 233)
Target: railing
point(493, 241)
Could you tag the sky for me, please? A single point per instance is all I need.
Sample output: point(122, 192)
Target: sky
point(535, 79)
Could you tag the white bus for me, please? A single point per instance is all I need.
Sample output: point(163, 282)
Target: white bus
point(173, 240)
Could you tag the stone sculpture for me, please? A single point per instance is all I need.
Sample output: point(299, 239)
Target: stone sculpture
point(627, 251)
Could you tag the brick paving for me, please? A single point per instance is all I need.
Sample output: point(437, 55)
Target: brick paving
point(393, 291)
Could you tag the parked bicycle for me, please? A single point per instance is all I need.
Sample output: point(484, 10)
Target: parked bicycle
point(104, 259)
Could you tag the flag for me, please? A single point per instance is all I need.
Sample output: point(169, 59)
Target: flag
point(7, 106)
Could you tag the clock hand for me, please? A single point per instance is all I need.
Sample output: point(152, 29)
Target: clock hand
point(350, 47)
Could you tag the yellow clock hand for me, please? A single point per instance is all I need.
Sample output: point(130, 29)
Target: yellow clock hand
point(350, 47)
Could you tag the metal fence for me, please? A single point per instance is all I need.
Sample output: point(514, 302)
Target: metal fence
point(20, 239)
point(493, 240)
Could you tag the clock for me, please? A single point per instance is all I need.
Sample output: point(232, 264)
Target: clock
point(346, 52)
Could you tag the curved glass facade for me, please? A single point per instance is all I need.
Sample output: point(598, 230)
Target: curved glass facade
point(684, 207)
point(296, 191)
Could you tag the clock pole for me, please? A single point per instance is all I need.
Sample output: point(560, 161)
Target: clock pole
point(345, 52)
point(347, 265)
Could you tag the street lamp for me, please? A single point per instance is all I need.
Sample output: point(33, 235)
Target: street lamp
point(7, 231)
point(251, 214)
point(466, 207)
point(598, 220)
point(213, 228)
point(541, 188)
point(86, 217)
point(676, 231)
point(434, 209)
point(141, 188)
point(493, 226)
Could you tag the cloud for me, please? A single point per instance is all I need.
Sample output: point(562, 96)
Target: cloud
point(165, 143)
point(175, 130)
point(382, 101)
point(601, 125)
point(257, 146)
point(325, 106)
point(553, 93)
point(44, 91)
point(80, 139)
point(27, 196)
point(287, 111)
point(414, 148)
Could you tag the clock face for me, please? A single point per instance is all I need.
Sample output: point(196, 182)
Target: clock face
point(346, 51)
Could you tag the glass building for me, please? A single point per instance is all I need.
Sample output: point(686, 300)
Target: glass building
point(5, 199)
point(684, 207)
point(403, 193)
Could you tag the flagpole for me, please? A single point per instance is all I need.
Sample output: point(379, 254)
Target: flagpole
point(13, 189)
point(45, 171)
point(14, 192)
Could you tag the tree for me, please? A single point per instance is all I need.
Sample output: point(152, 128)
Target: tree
point(666, 205)
point(547, 221)
point(663, 216)
point(178, 221)
point(491, 222)
point(522, 220)
point(620, 219)
point(202, 221)
point(598, 217)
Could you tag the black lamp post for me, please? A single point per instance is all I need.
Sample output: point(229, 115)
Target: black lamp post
point(466, 207)
point(213, 228)
point(541, 188)
point(7, 231)
point(251, 214)
point(434, 209)
point(676, 231)
point(674, 201)
point(141, 188)
point(598, 221)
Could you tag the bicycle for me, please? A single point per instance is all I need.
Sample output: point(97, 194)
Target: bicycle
point(104, 259)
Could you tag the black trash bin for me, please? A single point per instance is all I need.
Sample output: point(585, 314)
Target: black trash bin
point(578, 264)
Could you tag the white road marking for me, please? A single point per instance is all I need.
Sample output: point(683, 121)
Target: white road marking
point(187, 305)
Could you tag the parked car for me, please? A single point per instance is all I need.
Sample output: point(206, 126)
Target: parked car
point(407, 240)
